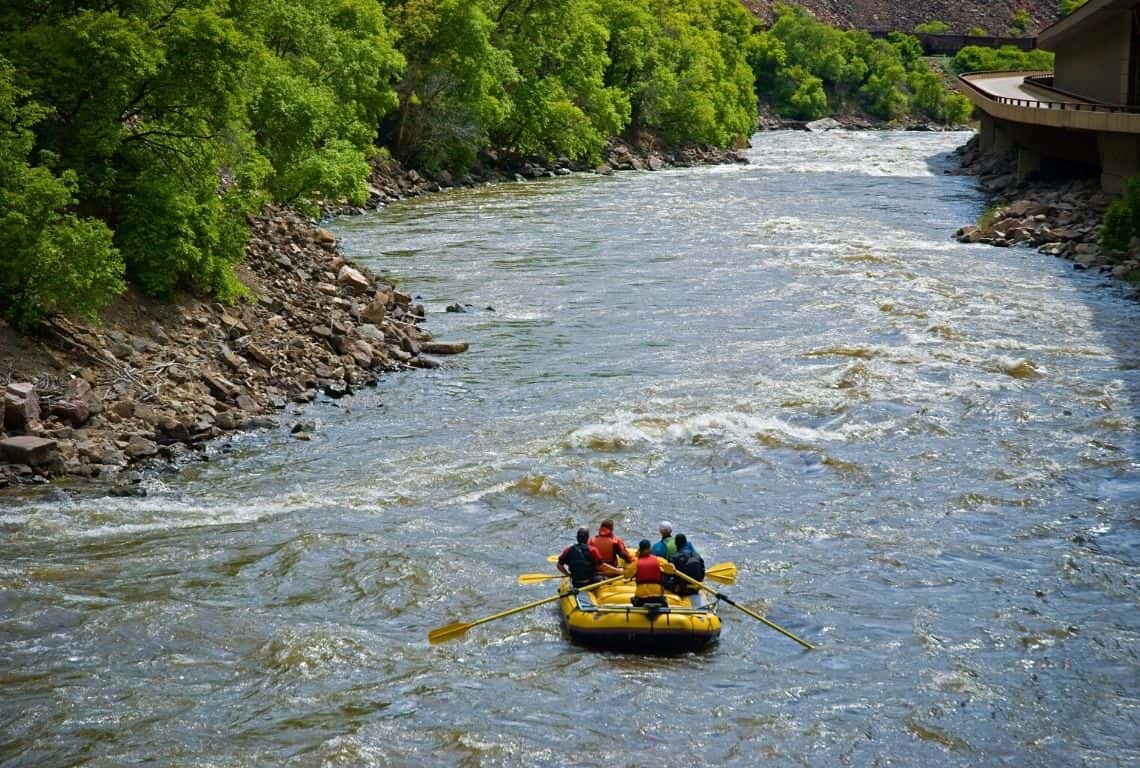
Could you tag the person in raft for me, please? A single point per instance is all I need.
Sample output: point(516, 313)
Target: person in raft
point(689, 562)
point(667, 546)
point(647, 570)
point(583, 564)
point(610, 547)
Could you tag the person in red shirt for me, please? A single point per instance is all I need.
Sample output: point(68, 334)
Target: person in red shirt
point(610, 547)
point(583, 563)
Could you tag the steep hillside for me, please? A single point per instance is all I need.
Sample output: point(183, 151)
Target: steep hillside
point(961, 15)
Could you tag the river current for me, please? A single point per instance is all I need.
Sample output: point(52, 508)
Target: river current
point(921, 455)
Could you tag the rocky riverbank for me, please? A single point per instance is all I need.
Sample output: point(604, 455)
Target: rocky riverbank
point(152, 383)
point(1058, 217)
point(148, 387)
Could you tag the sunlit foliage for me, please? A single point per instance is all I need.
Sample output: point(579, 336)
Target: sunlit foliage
point(808, 70)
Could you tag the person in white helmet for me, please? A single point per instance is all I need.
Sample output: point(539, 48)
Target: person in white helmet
point(666, 547)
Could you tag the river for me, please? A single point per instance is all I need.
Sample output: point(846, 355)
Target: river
point(921, 455)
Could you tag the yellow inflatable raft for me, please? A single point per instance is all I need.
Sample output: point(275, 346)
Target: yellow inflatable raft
point(606, 618)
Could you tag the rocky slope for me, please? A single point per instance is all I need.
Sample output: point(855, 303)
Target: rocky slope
point(961, 15)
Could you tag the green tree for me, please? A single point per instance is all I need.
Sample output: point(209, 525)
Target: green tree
point(139, 91)
point(454, 89)
point(560, 103)
point(50, 258)
point(324, 78)
point(700, 87)
point(1068, 6)
point(1122, 219)
point(807, 69)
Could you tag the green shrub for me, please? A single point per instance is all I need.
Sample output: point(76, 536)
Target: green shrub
point(977, 58)
point(935, 27)
point(1019, 23)
point(1068, 6)
point(1122, 219)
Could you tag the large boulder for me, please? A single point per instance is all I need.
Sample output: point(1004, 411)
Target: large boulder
point(21, 406)
point(353, 279)
point(826, 124)
point(72, 412)
point(33, 451)
point(443, 347)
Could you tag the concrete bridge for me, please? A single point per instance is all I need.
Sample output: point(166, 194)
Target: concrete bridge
point(1085, 114)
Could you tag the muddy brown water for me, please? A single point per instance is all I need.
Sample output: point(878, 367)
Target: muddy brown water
point(921, 455)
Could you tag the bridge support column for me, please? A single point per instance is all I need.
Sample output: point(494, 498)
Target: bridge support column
point(1119, 159)
point(994, 136)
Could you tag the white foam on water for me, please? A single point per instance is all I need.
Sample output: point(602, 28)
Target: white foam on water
point(614, 436)
point(744, 428)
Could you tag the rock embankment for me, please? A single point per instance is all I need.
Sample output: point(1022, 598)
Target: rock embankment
point(154, 382)
point(1058, 217)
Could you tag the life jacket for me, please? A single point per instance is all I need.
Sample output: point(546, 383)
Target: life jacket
point(666, 547)
point(608, 546)
point(580, 562)
point(648, 570)
point(648, 577)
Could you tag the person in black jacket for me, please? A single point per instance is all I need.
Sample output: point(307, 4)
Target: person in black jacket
point(689, 562)
point(582, 563)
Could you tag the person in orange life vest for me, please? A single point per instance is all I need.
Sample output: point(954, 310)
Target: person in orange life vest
point(647, 570)
point(582, 563)
point(610, 547)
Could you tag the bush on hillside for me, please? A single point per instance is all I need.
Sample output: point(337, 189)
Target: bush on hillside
point(808, 70)
point(935, 27)
point(1122, 219)
point(1068, 6)
point(976, 58)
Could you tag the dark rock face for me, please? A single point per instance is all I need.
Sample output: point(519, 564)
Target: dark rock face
point(961, 15)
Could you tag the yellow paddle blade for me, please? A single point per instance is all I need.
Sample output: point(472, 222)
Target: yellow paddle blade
point(535, 578)
point(454, 629)
point(552, 559)
point(722, 573)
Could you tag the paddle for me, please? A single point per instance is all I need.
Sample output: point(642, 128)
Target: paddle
point(723, 573)
point(456, 628)
point(753, 614)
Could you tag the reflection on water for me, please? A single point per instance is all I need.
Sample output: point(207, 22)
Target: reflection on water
point(921, 455)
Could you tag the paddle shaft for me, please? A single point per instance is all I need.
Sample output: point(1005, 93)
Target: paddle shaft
point(753, 614)
point(452, 630)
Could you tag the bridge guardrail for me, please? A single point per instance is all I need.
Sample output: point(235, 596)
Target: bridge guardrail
point(1038, 79)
